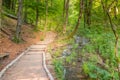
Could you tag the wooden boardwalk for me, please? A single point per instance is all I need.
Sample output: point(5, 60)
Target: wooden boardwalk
point(31, 65)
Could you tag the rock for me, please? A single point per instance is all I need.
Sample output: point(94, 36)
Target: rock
point(79, 60)
point(77, 39)
point(70, 47)
point(84, 41)
point(66, 52)
point(81, 41)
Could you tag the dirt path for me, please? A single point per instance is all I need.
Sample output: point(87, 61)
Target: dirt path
point(30, 65)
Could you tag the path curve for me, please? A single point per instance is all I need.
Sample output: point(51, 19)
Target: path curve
point(31, 66)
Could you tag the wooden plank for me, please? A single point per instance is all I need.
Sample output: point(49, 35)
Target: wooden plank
point(45, 67)
point(11, 63)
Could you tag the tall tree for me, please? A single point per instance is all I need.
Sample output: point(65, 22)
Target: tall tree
point(13, 5)
point(25, 11)
point(66, 15)
point(46, 12)
point(64, 7)
point(116, 9)
point(0, 13)
point(87, 12)
point(79, 18)
point(37, 12)
point(7, 3)
point(19, 21)
point(114, 30)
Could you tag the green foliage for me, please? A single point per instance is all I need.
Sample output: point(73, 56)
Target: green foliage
point(59, 69)
point(95, 72)
point(42, 37)
point(16, 40)
point(102, 44)
point(73, 55)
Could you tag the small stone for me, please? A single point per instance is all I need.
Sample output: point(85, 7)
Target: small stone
point(66, 52)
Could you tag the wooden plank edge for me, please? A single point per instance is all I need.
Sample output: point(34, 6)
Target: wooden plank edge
point(45, 67)
point(11, 63)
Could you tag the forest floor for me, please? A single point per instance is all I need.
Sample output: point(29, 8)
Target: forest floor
point(8, 46)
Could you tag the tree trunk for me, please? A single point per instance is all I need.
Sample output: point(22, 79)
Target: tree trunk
point(46, 14)
point(0, 20)
point(115, 9)
point(7, 4)
point(87, 12)
point(111, 23)
point(115, 34)
point(40, 15)
point(105, 15)
point(85, 6)
point(64, 7)
point(14, 7)
point(19, 21)
point(66, 15)
point(79, 17)
point(37, 13)
point(0, 14)
point(25, 11)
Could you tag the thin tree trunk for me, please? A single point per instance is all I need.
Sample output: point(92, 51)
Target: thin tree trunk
point(0, 14)
point(7, 4)
point(37, 13)
point(40, 15)
point(89, 12)
point(79, 18)
point(85, 12)
point(46, 14)
point(19, 21)
point(64, 7)
point(0, 21)
point(105, 15)
point(66, 15)
point(14, 5)
point(25, 11)
point(115, 34)
point(115, 9)
point(112, 25)
point(85, 6)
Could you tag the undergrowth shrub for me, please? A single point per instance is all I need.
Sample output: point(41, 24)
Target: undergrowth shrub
point(59, 69)
point(99, 61)
point(16, 40)
point(101, 43)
